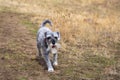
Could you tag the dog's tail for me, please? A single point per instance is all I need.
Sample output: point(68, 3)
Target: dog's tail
point(45, 22)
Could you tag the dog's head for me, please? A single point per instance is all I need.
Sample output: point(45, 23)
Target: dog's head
point(52, 39)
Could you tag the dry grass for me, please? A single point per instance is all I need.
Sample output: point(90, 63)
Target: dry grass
point(86, 26)
point(79, 21)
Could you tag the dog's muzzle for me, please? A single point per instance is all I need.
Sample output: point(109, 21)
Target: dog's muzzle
point(53, 48)
point(53, 42)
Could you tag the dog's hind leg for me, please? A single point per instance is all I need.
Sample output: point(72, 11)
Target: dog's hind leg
point(39, 50)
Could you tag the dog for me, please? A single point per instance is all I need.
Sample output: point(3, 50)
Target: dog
point(47, 42)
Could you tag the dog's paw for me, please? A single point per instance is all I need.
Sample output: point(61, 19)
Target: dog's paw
point(50, 70)
point(55, 63)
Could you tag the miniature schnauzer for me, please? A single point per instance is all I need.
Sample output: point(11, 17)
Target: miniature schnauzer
point(47, 41)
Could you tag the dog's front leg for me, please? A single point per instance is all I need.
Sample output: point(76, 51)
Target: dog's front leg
point(55, 62)
point(48, 62)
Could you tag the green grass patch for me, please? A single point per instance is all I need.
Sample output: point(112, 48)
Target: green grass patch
point(97, 59)
point(23, 78)
point(30, 26)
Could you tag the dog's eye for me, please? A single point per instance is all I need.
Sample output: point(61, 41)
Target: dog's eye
point(48, 38)
point(55, 37)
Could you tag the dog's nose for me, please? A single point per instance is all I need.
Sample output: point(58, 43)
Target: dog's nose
point(53, 41)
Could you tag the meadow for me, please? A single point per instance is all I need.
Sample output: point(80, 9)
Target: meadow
point(90, 34)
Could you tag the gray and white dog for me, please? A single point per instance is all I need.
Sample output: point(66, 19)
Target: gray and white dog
point(47, 41)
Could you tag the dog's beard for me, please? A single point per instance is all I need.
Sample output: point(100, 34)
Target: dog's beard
point(53, 48)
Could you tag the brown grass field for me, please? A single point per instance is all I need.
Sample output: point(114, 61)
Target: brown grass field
point(90, 38)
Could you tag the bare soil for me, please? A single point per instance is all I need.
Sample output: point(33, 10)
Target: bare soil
point(18, 51)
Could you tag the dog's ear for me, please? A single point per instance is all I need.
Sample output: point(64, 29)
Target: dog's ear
point(58, 33)
point(47, 35)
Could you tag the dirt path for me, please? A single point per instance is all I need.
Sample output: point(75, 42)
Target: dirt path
point(17, 48)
